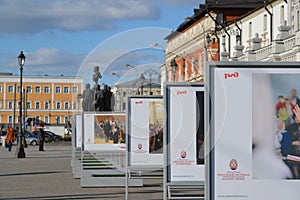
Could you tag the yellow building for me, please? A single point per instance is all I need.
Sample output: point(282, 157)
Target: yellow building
point(52, 99)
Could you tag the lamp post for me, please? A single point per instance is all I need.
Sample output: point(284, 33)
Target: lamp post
point(142, 80)
point(20, 149)
point(115, 74)
point(150, 72)
point(137, 76)
point(173, 65)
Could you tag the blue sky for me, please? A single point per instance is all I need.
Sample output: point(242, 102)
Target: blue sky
point(71, 36)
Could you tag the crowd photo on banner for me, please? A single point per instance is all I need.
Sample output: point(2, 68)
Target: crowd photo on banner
point(156, 120)
point(287, 140)
point(110, 129)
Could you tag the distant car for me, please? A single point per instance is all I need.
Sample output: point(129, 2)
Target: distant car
point(55, 137)
point(48, 137)
point(31, 138)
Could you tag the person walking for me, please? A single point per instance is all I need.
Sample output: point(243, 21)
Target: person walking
point(10, 138)
point(41, 138)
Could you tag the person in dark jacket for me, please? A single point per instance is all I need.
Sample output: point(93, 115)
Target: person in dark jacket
point(41, 138)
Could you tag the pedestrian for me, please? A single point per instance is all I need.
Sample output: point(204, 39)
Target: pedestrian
point(10, 138)
point(41, 138)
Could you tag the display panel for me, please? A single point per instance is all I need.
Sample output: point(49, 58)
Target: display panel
point(78, 131)
point(185, 133)
point(255, 131)
point(145, 128)
point(104, 131)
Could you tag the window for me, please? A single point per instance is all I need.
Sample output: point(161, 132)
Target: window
point(37, 119)
point(0, 88)
point(282, 14)
point(298, 20)
point(28, 104)
point(0, 104)
point(46, 89)
point(37, 89)
point(265, 25)
point(10, 89)
point(250, 29)
point(28, 89)
point(10, 119)
point(124, 94)
point(66, 90)
point(58, 89)
point(66, 105)
point(10, 105)
point(58, 106)
point(19, 89)
point(58, 120)
point(74, 90)
point(66, 119)
point(46, 119)
point(74, 105)
point(47, 105)
point(37, 105)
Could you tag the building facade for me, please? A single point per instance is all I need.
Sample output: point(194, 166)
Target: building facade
point(197, 40)
point(51, 99)
point(269, 33)
point(122, 90)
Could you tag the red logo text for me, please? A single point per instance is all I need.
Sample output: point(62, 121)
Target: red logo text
point(139, 102)
point(181, 92)
point(233, 75)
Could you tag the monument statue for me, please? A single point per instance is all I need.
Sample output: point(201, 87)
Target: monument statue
point(88, 98)
point(99, 98)
point(97, 75)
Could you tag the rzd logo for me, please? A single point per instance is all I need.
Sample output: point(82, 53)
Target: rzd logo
point(233, 75)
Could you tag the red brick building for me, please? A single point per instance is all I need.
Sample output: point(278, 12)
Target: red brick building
point(185, 53)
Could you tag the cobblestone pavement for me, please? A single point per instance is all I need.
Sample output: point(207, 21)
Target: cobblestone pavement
point(48, 175)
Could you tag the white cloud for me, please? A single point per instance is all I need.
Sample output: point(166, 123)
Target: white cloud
point(32, 16)
point(70, 15)
point(45, 61)
point(56, 62)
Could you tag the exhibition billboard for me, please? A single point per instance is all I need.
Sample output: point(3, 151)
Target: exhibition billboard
point(104, 131)
point(255, 130)
point(184, 132)
point(78, 131)
point(145, 131)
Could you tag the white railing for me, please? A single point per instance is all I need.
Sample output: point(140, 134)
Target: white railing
point(275, 47)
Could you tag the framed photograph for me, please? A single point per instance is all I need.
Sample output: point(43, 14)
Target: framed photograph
point(254, 135)
point(104, 131)
point(145, 131)
point(185, 132)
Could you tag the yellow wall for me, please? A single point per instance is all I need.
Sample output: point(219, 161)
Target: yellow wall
point(42, 97)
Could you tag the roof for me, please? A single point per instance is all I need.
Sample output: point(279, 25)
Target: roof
point(217, 6)
point(155, 83)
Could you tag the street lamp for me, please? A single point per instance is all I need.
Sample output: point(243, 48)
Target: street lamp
point(20, 149)
point(150, 72)
point(156, 45)
point(142, 80)
point(137, 75)
point(173, 65)
point(115, 74)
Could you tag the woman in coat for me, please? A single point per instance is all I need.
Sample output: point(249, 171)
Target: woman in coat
point(10, 138)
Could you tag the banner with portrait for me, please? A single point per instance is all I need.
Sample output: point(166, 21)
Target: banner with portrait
point(104, 131)
point(185, 132)
point(255, 131)
point(145, 131)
